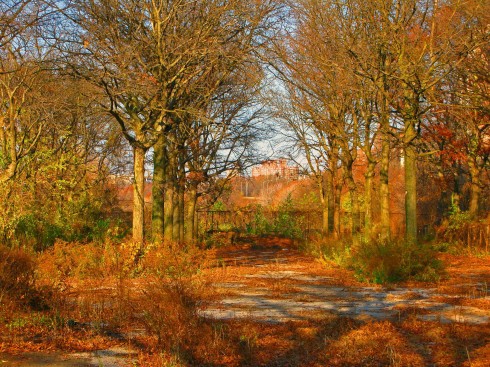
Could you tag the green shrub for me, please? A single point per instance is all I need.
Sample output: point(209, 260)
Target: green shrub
point(328, 250)
point(260, 224)
point(108, 230)
point(220, 239)
point(393, 261)
point(286, 223)
point(35, 216)
point(385, 262)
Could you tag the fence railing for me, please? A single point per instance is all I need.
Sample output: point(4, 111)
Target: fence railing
point(471, 235)
point(260, 221)
point(307, 222)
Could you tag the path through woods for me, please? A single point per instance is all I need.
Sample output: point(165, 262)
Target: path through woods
point(269, 280)
point(268, 304)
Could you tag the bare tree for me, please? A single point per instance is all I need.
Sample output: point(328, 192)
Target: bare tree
point(372, 68)
point(222, 143)
point(24, 62)
point(147, 58)
point(469, 97)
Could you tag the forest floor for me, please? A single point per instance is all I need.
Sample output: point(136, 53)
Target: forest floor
point(267, 304)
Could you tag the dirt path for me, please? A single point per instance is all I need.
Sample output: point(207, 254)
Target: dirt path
point(270, 281)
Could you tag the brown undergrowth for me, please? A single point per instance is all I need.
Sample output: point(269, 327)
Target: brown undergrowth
point(90, 297)
point(331, 341)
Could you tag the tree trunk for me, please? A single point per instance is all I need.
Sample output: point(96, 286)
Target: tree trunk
point(384, 197)
point(168, 222)
point(355, 209)
point(176, 215)
point(139, 195)
point(181, 211)
point(181, 199)
point(384, 191)
point(324, 203)
point(410, 182)
point(190, 234)
point(368, 188)
point(158, 189)
point(9, 151)
point(168, 225)
point(334, 193)
point(474, 188)
point(325, 216)
point(384, 117)
point(3, 142)
point(336, 216)
point(331, 204)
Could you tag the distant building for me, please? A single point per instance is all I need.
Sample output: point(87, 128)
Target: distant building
point(276, 167)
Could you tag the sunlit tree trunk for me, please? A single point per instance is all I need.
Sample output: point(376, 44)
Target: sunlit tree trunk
point(330, 203)
point(337, 207)
point(384, 191)
point(355, 208)
point(176, 214)
point(158, 189)
point(410, 161)
point(169, 209)
point(474, 188)
point(181, 198)
point(139, 194)
point(191, 214)
point(181, 211)
point(368, 195)
point(168, 221)
point(336, 190)
point(3, 141)
point(322, 192)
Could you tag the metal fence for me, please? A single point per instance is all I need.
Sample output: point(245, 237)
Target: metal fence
point(471, 235)
point(308, 222)
point(273, 222)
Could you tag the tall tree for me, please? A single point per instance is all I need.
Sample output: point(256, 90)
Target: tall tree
point(24, 61)
point(147, 57)
point(392, 54)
